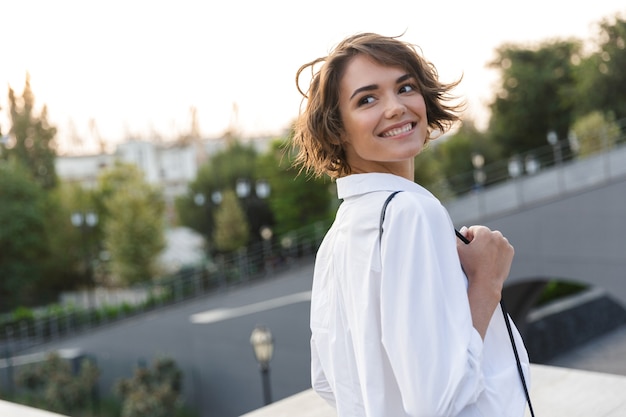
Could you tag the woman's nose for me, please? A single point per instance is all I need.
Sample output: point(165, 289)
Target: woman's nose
point(395, 107)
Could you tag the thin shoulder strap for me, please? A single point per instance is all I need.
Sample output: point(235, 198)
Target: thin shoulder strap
point(382, 213)
point(504, 311)
point(517, 359)
point(512, 339)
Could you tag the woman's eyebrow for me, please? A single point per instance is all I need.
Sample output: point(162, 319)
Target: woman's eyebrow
point(364, 88)
point(404, 78)
point(372, 87)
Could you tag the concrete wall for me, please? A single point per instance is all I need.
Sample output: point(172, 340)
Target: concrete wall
point(566, 223)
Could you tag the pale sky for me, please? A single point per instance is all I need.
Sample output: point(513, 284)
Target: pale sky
point(137, 67)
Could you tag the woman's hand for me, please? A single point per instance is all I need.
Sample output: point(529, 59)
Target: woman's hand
point(486, 261)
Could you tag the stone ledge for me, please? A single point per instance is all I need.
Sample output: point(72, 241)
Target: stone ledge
point(554, 391)
point(570, 322)
point(8, 409)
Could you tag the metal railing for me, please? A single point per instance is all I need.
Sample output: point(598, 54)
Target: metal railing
point(572, 174)
point(528, 163)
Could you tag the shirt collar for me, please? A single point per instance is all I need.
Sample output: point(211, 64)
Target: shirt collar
point(357, 184)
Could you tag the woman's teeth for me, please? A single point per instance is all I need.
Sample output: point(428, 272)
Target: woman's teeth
point(397, 131)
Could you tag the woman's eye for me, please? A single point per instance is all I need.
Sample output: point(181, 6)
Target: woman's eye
point(407, 88)
point(366, 100)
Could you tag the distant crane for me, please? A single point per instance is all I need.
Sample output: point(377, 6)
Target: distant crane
point(232, 132)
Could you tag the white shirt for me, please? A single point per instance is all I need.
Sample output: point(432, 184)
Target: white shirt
point(392, 332)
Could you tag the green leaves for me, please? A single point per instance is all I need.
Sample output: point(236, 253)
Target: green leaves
point(33, 137)
point(133, 224)
point(151, 392)
point(231, 226)
point(22, 233)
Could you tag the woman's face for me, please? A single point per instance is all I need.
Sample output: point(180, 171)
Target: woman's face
point(384, 117)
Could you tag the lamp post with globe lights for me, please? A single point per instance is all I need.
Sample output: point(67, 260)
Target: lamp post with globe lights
point(262, 343)
point(86, 222)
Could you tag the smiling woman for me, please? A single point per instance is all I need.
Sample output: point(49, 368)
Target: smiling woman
point(405, 322)
point(367, 88)
point(383, 116)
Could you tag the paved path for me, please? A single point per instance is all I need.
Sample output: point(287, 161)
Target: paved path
point(587, 381)
point(554, 392)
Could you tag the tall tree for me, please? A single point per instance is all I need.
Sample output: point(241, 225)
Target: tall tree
point(73, 247)
point(32, 137)
point(595, 133)
point(455, 155)
point(602, 78)
point(231, 228)
point(22, 234)
point(133, 224)
point(296, 199)
point(428, 172)
point(223, 172)
point(536, 94)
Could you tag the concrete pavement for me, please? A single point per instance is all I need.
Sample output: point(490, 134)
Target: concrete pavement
point(587, 381)
point(554, 392)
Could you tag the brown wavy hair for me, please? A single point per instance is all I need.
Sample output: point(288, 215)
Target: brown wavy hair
point(318, 128)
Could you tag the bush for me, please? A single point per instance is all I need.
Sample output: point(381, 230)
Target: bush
point(23, 313)
point(53, 386)
point(556, 290)
point(151, 392)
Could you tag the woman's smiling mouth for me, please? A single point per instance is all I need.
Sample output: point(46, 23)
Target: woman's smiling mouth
point(397, 131)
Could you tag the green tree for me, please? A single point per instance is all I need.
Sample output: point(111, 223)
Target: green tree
point(133, 223)
point(428, 172)
point(63, 266)
point(222, 172)
point(601, 78)
point(537, 94)
point(22, 234)
point(455, 154)
point(231, 227)
point(595, 132)
point(296, 200)
point(32, 137)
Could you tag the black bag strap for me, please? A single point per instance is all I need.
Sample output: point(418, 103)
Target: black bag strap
point(382, 213)
point(520, 371)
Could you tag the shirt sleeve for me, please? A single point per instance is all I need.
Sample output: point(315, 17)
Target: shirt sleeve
point(319, 382)
point(427, 333)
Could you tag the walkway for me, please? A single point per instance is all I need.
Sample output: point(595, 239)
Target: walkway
point(554, 392)
point(587, 381)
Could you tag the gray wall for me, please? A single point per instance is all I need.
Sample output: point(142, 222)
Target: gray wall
point(566, 223)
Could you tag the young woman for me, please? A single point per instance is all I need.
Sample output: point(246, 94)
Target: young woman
point(405, 321)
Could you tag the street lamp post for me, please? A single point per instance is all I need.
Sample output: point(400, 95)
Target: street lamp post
point(478, 162)
point(85, 222)
point(516, 169)
point(263, 344)
point(266, 234)
point(553, 139)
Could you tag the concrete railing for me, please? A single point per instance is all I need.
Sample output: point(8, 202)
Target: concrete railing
point(8, 409)
point(554, 182)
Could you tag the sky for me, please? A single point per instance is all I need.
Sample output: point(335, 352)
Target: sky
point(137, 68)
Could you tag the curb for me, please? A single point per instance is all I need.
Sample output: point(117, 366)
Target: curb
point(568, 323)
